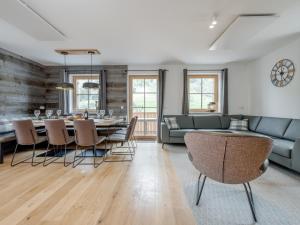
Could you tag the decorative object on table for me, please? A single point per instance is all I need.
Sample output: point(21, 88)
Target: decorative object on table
point(212, 106)
point(37, 113)
point(65, 86)
point(90, 84)
point(282, 73)
point(110, 112)
point(58, 113)
point(49, 113)
point(102, 113)
point(236, 124)
point(86, 114)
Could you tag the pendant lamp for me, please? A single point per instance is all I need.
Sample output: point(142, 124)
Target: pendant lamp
point(90, 84)
point(65, 86)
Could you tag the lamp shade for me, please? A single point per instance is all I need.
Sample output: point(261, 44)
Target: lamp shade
point(64, 86)
point(90, 85)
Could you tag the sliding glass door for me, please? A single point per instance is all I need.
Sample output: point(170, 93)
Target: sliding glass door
point(143, 103)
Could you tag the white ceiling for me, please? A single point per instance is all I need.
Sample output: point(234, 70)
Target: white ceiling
point(137, 32)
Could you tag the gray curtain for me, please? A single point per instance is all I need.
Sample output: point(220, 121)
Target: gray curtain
point(185, 100)
point(224, 97)
point(102, 93)
point(161, 90)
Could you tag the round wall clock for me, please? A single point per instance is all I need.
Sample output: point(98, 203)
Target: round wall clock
point(282, 73)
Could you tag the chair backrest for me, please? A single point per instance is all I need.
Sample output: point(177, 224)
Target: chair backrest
point(228, 158)
point(85, 132)
point(25, 132)
point(56, 132)
point(131, 127)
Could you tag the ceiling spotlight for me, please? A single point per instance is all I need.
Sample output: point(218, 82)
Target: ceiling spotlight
point(214, 22)
point(211, 27)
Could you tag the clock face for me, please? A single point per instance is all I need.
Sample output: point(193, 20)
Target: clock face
point(282, 73)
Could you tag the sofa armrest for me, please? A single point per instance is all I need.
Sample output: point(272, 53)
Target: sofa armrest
point(165, 133)
point(296, 155)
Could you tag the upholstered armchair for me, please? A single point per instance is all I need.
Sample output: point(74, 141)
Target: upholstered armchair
point(228, 158)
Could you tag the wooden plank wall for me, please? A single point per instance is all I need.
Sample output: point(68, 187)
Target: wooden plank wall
point(22, 85)
point(116, 86)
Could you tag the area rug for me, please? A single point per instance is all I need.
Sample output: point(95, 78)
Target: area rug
point(276, 195)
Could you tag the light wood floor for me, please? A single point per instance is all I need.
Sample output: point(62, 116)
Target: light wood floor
point(144, 191)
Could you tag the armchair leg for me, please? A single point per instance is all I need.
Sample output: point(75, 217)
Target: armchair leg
point(199, 192)
point(250, 200)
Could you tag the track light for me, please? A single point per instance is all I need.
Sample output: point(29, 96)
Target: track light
point(213, 23)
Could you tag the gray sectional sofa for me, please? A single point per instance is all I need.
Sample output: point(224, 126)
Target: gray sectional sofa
point(284, 132)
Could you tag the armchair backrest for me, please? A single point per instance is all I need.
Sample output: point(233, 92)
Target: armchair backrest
point(228, 158)
point(56, 132)
point(85, 132)
point(25, 132)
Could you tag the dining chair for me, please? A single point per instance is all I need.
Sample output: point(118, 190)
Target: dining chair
point(123, 131)
point(86, 136)
point(26, 135)
point(58, 136)
point(123, 138)
point(229, 159)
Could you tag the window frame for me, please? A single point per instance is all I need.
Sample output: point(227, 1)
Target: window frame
point(75, 78)
point(216, 91)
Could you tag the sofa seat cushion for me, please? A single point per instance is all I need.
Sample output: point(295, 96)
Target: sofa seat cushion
point(283, 147)
point(180, 133)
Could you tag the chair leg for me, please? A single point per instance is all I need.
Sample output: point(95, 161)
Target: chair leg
point(199, 193)
point(33, 155)
point(250, 200)
point(22, 161)
point(65, 158)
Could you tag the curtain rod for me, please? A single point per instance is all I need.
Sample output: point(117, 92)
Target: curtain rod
point(145, 70)
point(206, 70)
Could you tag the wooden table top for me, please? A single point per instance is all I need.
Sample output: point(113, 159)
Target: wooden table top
point(40, 123)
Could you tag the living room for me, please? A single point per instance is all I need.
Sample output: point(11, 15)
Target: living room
point(160, 112)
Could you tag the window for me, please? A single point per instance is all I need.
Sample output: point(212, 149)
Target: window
point(143, 103)
point(203, 90)
point(82, 98)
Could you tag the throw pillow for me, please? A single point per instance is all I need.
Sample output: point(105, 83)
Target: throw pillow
point(171, 123)
point(236, 124)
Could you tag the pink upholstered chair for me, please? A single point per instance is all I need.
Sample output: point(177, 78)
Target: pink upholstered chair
point(26, 135)
point(124, 138)
point(86, 136)
point(57, 136)
point(228, 158)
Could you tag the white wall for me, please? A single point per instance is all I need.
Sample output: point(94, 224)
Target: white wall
point(238, 103)
point(266, 99)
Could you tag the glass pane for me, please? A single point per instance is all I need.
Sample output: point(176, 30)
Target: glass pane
point(139, 112)
point(208, 85)
point(150, 100)
point(207, 98)
point(84, 103)
point(138, 85)
point(137, 100)
point(151, 121)
point(93, 100)
point(195, 101)
point(150, 85)
point(80, 90)
point(139, 128)
point(195, 85)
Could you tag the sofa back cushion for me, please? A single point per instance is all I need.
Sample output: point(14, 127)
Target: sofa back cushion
point(207, 122)
point(184, 122)
point(273, 126)
point(253, 122)
point(293, 131)
point(225, 120)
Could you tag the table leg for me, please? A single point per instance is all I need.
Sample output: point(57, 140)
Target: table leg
point(1, 154)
